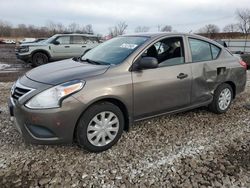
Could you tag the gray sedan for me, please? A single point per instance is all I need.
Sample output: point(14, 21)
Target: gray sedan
point(93, 99)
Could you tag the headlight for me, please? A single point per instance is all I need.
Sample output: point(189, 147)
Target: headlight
point(23, 49)
point(52, 97)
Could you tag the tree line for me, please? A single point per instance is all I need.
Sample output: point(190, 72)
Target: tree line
point(7, 30)
point(51, 28)
point(242, 25)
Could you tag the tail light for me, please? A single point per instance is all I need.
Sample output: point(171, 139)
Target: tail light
point(243, 64)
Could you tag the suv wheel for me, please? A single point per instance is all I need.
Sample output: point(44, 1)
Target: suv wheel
point(222, 100)
point(100, 127)
point(39, 58)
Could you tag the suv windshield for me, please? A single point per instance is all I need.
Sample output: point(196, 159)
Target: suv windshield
point(114, 51)
point(49, 40)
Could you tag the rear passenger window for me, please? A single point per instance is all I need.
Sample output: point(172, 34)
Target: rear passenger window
point(77, 40)
point(90, 40)
point(200, 50)
point(215, 51)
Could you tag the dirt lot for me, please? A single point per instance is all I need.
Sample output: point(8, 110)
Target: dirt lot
point(191, 149)
point(10, 66)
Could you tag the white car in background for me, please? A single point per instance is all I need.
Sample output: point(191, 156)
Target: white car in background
point(9, 41)
point(57, 47)
point(25, 40)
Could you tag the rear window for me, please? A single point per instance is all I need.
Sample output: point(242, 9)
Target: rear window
point(200, 50)
point(215, 51)
point(91, 40)
point(203, 51)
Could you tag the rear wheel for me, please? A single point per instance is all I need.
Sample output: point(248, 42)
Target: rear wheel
point(222, 100)
point(100, 127)
point(39, 58)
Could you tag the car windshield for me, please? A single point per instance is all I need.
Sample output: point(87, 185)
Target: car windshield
point(114, 51)
point(48, 40)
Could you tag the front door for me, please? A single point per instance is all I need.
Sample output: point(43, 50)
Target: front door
point(167, 87)
point(63, 49)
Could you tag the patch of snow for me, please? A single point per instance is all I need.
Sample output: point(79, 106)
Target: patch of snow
point(4, 66)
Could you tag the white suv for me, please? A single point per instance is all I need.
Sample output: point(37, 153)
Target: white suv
point(57, 47)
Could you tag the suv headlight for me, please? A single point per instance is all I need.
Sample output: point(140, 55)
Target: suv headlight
point(52, 97)
point(23, 49)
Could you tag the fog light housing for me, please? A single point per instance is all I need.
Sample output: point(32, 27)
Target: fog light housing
point(40, 131)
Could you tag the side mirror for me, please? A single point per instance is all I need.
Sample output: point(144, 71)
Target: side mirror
point(56, 42)
point(147, 63)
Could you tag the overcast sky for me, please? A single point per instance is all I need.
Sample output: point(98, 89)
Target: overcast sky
point(183, 15)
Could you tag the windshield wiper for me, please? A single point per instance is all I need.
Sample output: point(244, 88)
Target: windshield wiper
point(94, 62)
point(91, 61)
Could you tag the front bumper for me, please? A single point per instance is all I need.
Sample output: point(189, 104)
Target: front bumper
point(24, 57)
point(47, 126)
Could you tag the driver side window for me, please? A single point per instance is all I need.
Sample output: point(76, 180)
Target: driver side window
point(168, 52)
point(63, 40)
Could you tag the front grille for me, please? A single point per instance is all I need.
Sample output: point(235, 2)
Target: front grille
point(19, 92)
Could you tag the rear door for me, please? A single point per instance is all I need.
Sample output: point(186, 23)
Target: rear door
point(167, 87)
point(78, 45)
point(207, 69)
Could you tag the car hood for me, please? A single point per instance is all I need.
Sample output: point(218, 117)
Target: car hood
point(33, 44)
point(66, 70)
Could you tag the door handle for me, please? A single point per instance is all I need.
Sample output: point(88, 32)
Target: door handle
point(66, 46)
point(83, 46)
point(182, 76)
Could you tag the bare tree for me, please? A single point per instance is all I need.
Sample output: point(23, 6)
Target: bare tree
point(118, 29)
point(73, 27)
point(209, 29)
point(167, 28)
point(5, 28)
point(60, 27)
point(51, 28)
point(142, 29)
point(243, 16)
point(89, 29)
point(230, 28)
point(121, 27)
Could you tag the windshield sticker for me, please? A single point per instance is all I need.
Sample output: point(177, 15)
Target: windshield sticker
point(129, 46)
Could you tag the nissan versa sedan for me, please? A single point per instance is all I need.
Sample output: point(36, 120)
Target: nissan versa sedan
point(93, 99)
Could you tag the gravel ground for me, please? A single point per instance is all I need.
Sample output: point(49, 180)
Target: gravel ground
point(191, 149)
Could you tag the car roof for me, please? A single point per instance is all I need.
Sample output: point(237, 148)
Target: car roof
point(166, 34)
point(76, 34)
point(159, 34)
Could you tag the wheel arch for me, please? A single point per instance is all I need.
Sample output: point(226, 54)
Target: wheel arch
point(233, 86)
point(41, 51)
point(114, 101)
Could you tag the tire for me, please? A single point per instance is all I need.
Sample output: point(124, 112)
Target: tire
point(218, 96)
point(39, 58)
point(88, 130)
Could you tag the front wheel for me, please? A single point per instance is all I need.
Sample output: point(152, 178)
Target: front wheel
point(39, 58)
point(222, 100)
point(100, 127)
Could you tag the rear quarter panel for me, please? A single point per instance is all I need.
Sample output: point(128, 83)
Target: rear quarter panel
point(225, 69)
